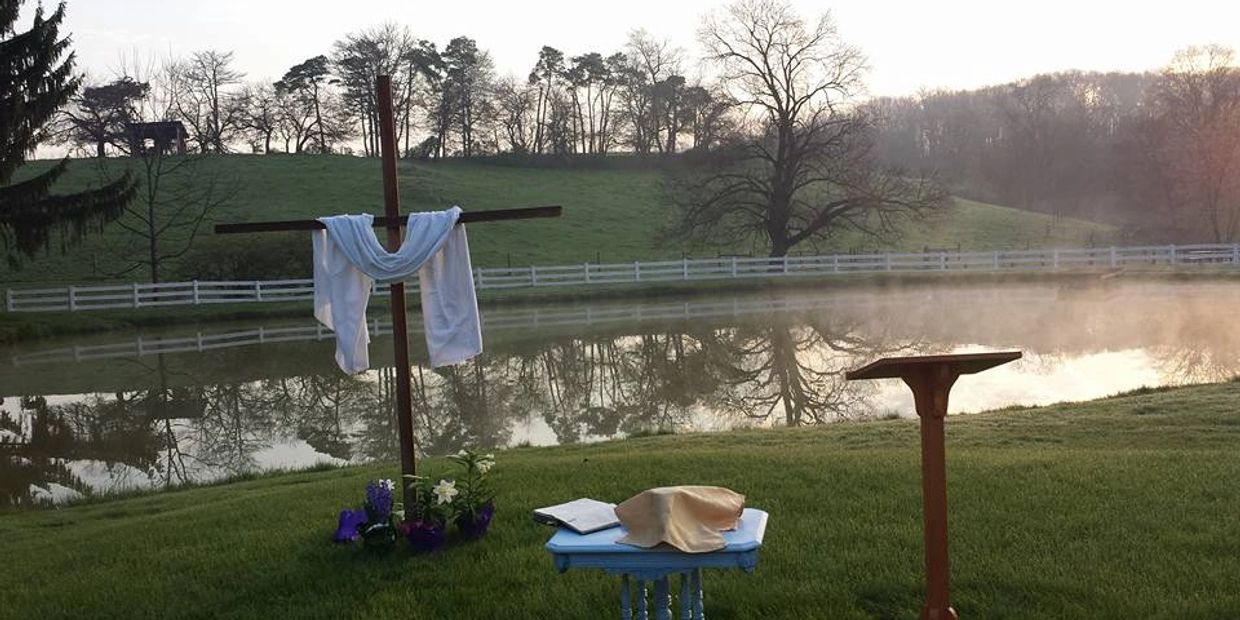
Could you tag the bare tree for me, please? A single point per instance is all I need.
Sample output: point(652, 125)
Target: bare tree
point(205, 98)
point(358, 59)
point(260, 115)
point(1196, 100)
point(706, 116)
point(175, 195)
point(655, 84)
point(803, 168)
point(515, 105)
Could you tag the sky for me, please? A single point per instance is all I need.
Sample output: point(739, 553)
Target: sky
point(953, 44)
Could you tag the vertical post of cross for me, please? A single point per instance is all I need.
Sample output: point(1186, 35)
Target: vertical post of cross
point(400, 332)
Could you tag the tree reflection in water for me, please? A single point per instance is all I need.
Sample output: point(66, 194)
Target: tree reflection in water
point(170, 419)
point(793, 373)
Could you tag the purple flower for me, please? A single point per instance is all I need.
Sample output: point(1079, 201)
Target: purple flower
point(350, 521)
point(379, 501)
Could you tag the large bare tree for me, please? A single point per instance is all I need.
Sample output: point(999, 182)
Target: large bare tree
point(801, 166)
point(205, 96)
point(1196, 106)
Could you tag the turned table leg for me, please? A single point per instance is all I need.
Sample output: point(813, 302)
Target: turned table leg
point(641, 600)
point(626, 608)
point(662, 599)
point(686, 601)
point(699, 612)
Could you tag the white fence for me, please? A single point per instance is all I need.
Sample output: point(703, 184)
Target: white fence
point(494, 319)
point(74, 298)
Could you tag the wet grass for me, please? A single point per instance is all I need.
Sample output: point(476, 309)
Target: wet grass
point(1118, 508)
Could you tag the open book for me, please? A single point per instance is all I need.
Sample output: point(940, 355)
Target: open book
point(580, 515)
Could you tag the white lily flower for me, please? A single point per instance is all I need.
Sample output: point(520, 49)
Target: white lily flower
point(485, 466)
point(387, 483)
point(445, 491)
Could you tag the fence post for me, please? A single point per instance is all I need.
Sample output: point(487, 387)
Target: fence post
point(585, 268)
point(996, 260)
point(684, 268)
point(1173, 256)
point(1055, 259)
point(942, 261)
point(134, 288)
point(1235, 253)
point(784, 259)
point(1113, 263)
point(533, 275)
point(258, 290)
point(887, 262)
point(195, 292)
point(478, 278)
point(733, 266)
point(835, 263)
point(72, 298)
point(637, 271)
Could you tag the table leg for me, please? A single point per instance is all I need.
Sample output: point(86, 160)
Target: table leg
point(686, 602)
point(662, 599)
point(699, 611)
point(626, 609)
point(641, 600)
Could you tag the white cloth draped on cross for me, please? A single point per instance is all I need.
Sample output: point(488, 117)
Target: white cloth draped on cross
point(348, 259)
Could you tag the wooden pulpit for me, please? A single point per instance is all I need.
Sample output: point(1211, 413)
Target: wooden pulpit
point(931, 378)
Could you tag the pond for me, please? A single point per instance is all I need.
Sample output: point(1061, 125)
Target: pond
point(158, 408)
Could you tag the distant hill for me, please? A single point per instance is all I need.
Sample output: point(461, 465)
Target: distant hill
point(610, 216)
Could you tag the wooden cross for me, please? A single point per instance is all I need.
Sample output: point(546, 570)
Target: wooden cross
point(392, 221)
point(930, 377)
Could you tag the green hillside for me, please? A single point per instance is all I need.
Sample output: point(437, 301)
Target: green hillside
point(610, 216)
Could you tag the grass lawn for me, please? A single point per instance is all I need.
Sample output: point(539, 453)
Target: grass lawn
point(1120, 508)
point(610, 215)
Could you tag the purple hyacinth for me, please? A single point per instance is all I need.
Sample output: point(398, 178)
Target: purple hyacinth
point(350, 521)
point(379, 500)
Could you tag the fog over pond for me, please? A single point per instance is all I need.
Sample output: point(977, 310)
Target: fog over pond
point(159, 408)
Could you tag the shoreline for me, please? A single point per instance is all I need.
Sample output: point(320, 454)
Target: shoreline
point(842, 424)
point(24, 327)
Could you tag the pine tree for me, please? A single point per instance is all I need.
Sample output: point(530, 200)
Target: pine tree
point(36, 80)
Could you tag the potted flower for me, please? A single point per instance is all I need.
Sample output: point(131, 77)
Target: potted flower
point(425, 523)
point(475, 505)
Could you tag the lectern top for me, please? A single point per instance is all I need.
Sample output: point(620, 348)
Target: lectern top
point(964, 364)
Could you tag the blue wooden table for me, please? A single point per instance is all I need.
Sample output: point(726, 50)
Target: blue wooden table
point(657, 565)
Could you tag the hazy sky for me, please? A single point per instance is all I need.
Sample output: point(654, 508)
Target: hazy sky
point(910, 44)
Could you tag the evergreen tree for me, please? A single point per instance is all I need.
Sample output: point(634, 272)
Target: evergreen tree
point(36, 80)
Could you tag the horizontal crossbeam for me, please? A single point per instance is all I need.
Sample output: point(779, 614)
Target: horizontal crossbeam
point(467, 217)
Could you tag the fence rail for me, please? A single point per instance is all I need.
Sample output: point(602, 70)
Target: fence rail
point(198, 292)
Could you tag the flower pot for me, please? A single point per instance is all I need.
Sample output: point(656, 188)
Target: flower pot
point(476, 525)
point(423, 536)
point(378, 537)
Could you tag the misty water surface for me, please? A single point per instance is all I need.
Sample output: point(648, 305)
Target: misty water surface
point(93, 415)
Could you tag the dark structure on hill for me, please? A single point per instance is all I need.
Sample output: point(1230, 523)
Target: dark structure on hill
point(166, 137)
